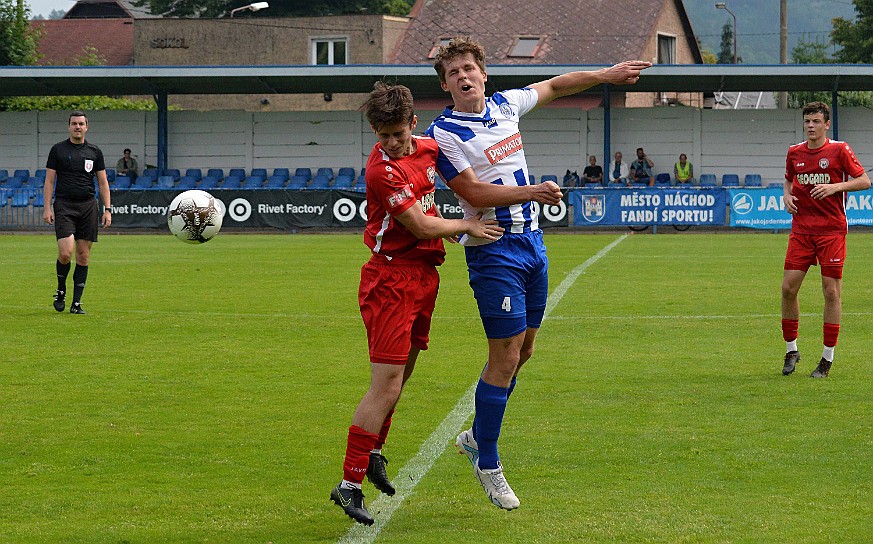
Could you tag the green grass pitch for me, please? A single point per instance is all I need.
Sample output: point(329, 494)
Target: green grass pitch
point(206, 397)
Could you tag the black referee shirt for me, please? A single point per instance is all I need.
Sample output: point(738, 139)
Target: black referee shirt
point(76, 165)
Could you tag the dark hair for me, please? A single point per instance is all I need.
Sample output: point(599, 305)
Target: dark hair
point(455, 48)
point(77, 113)
point(817, 107)
point(388, 105)
point(126, 150)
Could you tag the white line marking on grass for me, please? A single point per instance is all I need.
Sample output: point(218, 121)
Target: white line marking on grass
point(415, 469)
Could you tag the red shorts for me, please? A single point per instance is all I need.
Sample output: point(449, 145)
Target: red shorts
point(397, 302)
point(805, 250)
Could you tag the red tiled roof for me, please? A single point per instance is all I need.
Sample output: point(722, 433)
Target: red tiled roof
point(65, 40)
point(576, 31)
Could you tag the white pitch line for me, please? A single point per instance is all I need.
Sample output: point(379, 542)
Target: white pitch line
point(415, 469)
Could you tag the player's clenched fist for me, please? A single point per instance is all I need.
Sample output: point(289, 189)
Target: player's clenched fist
point(546, 193)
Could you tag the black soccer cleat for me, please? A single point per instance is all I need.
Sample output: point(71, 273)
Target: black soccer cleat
point(377, 475)
point(60, 298)
point(791, 360)
point(76, 308)
point(822, 370)
point(352, 503)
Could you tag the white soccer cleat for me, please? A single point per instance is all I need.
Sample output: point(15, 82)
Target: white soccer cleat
point(495, 486)
point(467, 445)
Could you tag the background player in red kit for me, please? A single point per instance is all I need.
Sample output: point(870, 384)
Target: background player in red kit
point(817, 176)
point(399, 283)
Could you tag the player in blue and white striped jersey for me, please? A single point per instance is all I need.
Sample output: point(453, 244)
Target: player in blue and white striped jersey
point(482, 161)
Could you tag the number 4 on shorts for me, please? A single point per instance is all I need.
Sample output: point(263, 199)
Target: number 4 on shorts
point(507, 305)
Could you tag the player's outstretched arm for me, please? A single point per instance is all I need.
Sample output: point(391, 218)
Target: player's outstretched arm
point(427, 227)
point(488, 195)
point(623, 73)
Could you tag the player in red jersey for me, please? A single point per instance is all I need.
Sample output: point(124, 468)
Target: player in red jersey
point(818, 173)
point(399, 283)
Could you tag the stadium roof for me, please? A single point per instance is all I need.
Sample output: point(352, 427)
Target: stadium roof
point(421, 79)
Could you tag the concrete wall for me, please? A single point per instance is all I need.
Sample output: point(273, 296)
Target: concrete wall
point(557, 139)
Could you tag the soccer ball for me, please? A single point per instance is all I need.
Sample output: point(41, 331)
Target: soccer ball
point(195, 216)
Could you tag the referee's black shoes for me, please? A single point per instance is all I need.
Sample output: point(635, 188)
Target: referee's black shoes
point(60, 298)
point(352, 503)
point(791, 359)
point(76, 308)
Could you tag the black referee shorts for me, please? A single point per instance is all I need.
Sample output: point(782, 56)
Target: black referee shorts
point(79, 219)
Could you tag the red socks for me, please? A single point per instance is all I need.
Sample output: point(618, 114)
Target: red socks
point(830, 332)
point(358, 448)
point(383, 433)
point(789, 329)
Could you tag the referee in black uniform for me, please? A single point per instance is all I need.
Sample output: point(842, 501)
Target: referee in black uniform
point(74, 163)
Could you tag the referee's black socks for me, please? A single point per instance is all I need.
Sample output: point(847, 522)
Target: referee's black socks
point(80, 274)
point(63, 271)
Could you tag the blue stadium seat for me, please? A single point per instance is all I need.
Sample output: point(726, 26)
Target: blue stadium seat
point(3, 197)
point(752, 180)
point(216, 173)
point(22, 173)
point(298, 182)
point(166, 182)
point(142, 182)
point(38, 200)
point(14, 183)
point(175, 173)
point(346, 171)
point(238, 172)
point(110, 175)
point(531, 179)
point(708, 180)
point(150, 173)
point(325, 171)
point(305, 172)
point(41, 173)
point(232, 182)
point(361, 183)
point(283, 173)
point(343, 182)
point(195, 173)
point(320, 182)
point(209, 182)
point(3, 174)
point(730, 180)
point(260, 172)
point(33, 183)
point(186, 183)
point(253, 182)
point(662, 179)
point(275, 182)
point(21, 198)
point(549, 177)
point(120, 182)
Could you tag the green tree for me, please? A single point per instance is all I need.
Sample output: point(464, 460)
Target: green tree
point(18, 40)
point(286, 8)
point(816, 52)
point(855, 37)
point(726, 52)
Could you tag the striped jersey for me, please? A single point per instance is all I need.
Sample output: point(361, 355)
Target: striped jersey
point(393, 186)
point(804, 169)
point(488, 142)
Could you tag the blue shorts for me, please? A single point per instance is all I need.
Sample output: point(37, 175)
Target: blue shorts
point(510, 280)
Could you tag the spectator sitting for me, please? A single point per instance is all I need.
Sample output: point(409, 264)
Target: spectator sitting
point(593, 173)
point(619, 172)
point(126, 166)
point(683, 172)
point(641, 169)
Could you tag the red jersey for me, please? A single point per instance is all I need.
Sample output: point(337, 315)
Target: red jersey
point(805, 168)
point(393, 186)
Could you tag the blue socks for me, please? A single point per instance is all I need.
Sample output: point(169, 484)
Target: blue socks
point(490, 407)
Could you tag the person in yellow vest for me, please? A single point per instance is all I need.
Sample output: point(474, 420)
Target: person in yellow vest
point(683, 172)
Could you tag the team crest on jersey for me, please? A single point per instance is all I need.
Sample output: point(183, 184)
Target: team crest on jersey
point(823, 164)
point(504, 148)
point(431, 175)
point(89, 165)
point(506, 110)
point(399, 197)
point(388, 168)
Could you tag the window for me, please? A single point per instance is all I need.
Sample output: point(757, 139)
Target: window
point(666, 49)
point(436, 46)
point(329, 51)
point(525, 46)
